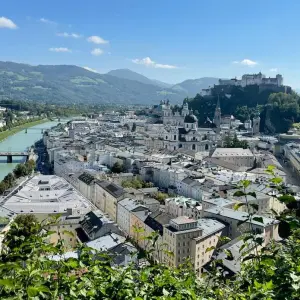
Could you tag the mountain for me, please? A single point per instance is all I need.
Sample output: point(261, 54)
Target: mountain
point(72, 84)
point(128, 74)
point(191, 87)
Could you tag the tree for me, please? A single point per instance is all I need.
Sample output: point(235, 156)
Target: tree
point(20, 170)
point(117, 167)
point(161, 197)
point(3, 187)
point(30, 165)
point(133, 129)
point(9, 179)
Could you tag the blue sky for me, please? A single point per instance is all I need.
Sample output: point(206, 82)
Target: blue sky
point(168, 40)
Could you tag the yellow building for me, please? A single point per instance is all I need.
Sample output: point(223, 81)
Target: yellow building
point(107, 195)
point(189, 239)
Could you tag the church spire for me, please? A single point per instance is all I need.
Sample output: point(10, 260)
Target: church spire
point(217, 116)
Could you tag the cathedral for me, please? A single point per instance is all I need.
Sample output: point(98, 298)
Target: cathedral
point(181, 130)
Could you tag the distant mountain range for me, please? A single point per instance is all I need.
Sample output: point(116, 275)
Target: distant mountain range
point(72, 84)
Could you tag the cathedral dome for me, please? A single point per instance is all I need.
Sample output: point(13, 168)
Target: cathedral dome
point(190, 119)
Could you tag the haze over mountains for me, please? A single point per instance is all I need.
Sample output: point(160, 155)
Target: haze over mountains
point(72, 84)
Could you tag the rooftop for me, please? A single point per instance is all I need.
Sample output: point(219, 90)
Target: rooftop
point(114, 189)
point(227, 152)
point(219, 201)
point(240, 216)
point(209, 226)
point(47, 194)
point(183, 220)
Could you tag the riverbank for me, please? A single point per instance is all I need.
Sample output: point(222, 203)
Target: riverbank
point(14, 130)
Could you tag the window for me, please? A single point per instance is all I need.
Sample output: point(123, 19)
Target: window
point(193, 147)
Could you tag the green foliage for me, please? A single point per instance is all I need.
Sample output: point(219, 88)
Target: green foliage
point(27, 272)
point(234, 142)
point(161, 197)
point(117, 167)
point(19, 171)
point(136, 184)
point(63, 84)
point(279, 110)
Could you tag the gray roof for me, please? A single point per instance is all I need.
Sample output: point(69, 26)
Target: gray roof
point(86, 178)
point(210, 226)
point(106, 242)
point(238, 215)
point(219, 201)
point(130, 204)
point(112, 188)
point(188, 181)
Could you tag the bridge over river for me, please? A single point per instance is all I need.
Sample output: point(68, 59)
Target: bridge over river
point(11, 154)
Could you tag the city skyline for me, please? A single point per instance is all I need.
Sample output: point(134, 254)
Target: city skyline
point(164, 41)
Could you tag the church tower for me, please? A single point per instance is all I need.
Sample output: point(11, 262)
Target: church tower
point(185, 108)
point(256, 121)
point(217, 117)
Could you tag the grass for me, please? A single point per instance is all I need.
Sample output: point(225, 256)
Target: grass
point(7, 133)
point(83, 79)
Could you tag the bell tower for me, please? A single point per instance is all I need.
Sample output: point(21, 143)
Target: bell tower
point(217, 116)
point(256, 121)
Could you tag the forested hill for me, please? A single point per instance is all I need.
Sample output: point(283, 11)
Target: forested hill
point(66, 84)
point(278, 110)
point(72, 84)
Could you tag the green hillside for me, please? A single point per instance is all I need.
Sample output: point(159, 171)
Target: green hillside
point(72, 84)
point(278, 110)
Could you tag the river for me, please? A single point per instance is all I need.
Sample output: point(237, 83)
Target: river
point(20, 142)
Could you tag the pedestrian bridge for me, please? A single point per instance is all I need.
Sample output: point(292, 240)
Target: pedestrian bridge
point(11, 154)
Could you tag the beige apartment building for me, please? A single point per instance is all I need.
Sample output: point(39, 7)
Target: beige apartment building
point(188, 239)
point(237, 156)
point(107, 195)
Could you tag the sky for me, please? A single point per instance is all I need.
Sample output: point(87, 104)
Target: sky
point(167, 40)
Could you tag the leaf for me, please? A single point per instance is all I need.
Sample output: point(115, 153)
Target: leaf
point(32, 291)
point(257, 284)
point(253, 194)
point(258, 219)
point(7, 282)
point(67, 232)
point(238, 205)
point(239, 194)
point(276, 180)
point(250, 256)
point(268, 285)
point(42, 288)
point(245, 183)
point(210, 249)
point(286, 199)
point(254, 206)
point(229, 255)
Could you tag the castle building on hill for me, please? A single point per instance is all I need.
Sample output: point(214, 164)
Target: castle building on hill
point(253, 79)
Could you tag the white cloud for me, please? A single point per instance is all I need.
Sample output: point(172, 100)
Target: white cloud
point(148, 62)
point(97, 40)
point(90, 69)
point(246, 62)
point(47, 21)
point(60, 49)
point(7, 23)
point(66, 34)
point(273, 70)
point(97, 51)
